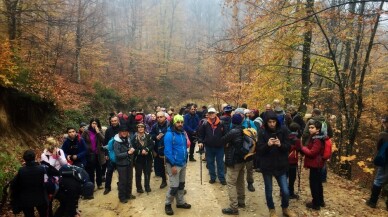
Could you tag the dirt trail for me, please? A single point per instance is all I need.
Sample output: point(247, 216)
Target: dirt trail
point(342, 198)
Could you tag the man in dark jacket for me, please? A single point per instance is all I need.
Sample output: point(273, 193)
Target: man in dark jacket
point(191, 127)
point(109, 134)
point(124, 162)
point(30, 188)
point(157, 133)
point(75, 148)
point(210, 133)
point(273, 147)
point(234, 161)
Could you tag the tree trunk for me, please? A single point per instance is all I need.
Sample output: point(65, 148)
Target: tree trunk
point(305, 88)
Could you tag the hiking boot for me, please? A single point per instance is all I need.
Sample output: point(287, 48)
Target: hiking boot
point(241, 205)
point(250, 187)
point(230, 211)
point(140, 190)
point(106, 191)
point(370, 204)
point(192, 159)
point(88, 197)
point(212, 181)
point(168, 209)
point(148, 189)
point(272, 213)
point(312, 206)
point(223, 183)
point(131, 197)
point(288, 213)
point(183, 206)
point(163, 185)
point(294, 196)
point(322, 204)
point(124, 201)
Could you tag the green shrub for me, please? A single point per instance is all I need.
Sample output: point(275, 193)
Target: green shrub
point(9, 165)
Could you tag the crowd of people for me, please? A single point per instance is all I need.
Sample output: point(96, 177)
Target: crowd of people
point(165, 141)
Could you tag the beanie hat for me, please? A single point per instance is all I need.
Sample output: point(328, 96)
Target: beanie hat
point(139, 118)
point(177, 118)
point(237, 119)
point(123, 128)
point(239, 111)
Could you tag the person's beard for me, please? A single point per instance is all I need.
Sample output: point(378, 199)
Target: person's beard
point(178, 128)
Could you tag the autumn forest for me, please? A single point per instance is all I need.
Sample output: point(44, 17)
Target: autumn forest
point(84, 57)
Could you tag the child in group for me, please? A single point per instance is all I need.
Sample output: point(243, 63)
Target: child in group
point(294, 137)
point(313, 160)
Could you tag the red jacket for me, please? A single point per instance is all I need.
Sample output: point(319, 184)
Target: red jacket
point(313, 152)
point(293, 153)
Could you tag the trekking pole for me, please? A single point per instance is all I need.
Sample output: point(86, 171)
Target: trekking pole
point(146, 174)
point(200, 162)
point(299, 173)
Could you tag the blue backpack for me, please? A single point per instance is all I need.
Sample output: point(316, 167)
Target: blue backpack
point(381, 157)
point(111, 152)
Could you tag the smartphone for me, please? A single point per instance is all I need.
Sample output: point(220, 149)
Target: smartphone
point(273, 135)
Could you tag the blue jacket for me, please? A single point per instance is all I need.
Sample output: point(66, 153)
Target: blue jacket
point(175, 147)
point(251, 124)
point(75, 147)
point(191, 123)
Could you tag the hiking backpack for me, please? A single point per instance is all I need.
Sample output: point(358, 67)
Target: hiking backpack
point(381, 157)
point(111, 152)
point(327, 149)
point(249, 143)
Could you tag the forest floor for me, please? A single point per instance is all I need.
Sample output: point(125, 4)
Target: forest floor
point(342, 197)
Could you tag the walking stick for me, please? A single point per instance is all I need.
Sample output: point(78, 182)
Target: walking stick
point(200, 163)
point(299, 173)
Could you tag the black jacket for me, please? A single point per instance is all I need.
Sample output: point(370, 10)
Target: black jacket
point(110, 133)
point(159, 144)
point(273, 159)
point(234, 142)
point(209, 136)
point(30, 185)
point(148, 146)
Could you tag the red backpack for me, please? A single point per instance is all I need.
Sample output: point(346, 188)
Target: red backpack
point(327, 148)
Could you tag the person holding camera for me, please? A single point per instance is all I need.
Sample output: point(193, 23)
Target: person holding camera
point(273, 147)
point(124, 156)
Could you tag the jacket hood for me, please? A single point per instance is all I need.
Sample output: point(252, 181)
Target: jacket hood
point(271, 115)
point(117, 138)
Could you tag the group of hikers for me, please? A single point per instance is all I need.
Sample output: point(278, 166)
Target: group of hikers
point(164, 142)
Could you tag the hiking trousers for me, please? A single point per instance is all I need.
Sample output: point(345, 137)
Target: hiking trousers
point(249, 168)
point(236, 185)
point(125, 181)
point(177, 185)
point(109, 174)
point(316, 187)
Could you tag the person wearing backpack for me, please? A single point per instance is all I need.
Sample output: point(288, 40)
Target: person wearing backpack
point(112, 130)
point(234, 161)
point(157, 133)
point(246, 124)
point(28, 189)
point(191, 127)
point(326, 130)
point(314, 161)
point(382, 167)
point(124, 150)
point(294, 137)
point(175, 150)
point(74, 148)
point(143, 145)
point(210, 133)
point(273, 148)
